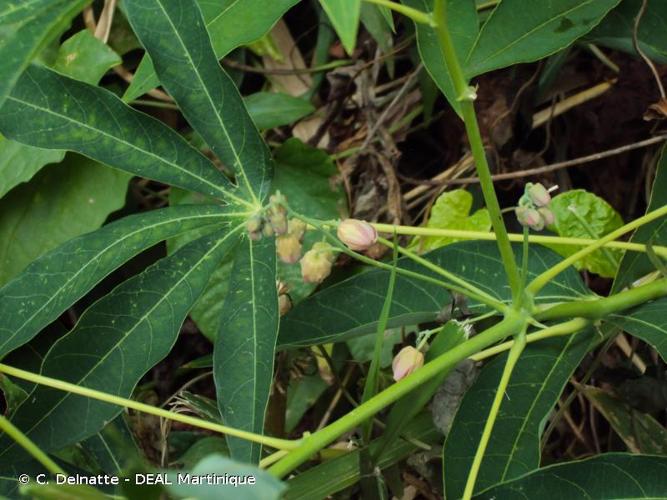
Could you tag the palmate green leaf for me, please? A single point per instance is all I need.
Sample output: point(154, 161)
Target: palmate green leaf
point(133, 328)
point(61, 202)
point(27, 26)
point(349, 308)
point(463, 25)
point(344, 16)
point(611, 475)
point(518, 31)
point(245, 346)
point(52, 111)
point(636, 264)
point(231, 23)
point(514, 448)
point(58, 279)
point(266, 486)
point(647, 322)
point(174, 35)
point(615, 31)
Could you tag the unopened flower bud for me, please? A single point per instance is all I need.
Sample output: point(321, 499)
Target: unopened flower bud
point(297, 228)
point(289, 248)
point(547, 215)
point(277, 213)
point(538, 194)
point(357, 234)
point(278, 222)
point(317, 262)
point(284, 304)
point(530, 217)
point(254, 227)
point(407, 361)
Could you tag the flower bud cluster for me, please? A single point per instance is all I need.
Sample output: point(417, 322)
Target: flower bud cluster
point(534, 210)
point(273, 221)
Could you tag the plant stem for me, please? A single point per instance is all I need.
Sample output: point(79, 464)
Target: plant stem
point(477, 147)
point(513, 322)
point(372, 382)
point(279, 444)
point(26, 443)
point(416, 15)
point(599, 308)
point(540, 281)
point(533, 238)
point(524, 262)
point(438, 270)
point(512, 359)
point(483, 298)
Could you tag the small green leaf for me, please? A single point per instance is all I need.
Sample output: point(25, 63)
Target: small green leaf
point(265, 487)
point(344, 16)
point(231, 23)
point(463, 27)
point(615, 30)
point(514, 448)
point(518, 31)
point(52, 111)
point(580, 214)
point(18, 163)
point(273, 109)
point(67, 273)
point(640, 431)
point(27, 26)
point(85, 58)
point(134, 327)
point(245, 346)
point(611, 475)
point(174, 35)
point(59, 203)
point(452, 211)
point(304, 174)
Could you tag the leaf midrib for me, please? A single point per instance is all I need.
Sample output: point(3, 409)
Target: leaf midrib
point(124, 337)
point(98, 255)
point(237, 159)
point(220, 189)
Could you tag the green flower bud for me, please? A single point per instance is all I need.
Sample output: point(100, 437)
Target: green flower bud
point(289, 248)
point(357, 234)
point(317, 262)
point(538, 194)
point(406, 362)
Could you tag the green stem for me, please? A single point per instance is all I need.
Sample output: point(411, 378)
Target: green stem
point(524, 263)
point(540, 281)
point(514, 237)
point(599, 308)
point(477, 147)
point(512, 359)
point(512, 323)
point(416, 15)
point(372, 380)
point(279, 444)
point(439, 270)
point(483, 299)
point(24, 442)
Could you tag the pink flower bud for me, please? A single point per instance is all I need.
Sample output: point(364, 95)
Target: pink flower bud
point(547, 215)
point(289, 248)
point(357, 234)
point(530, 217)
point(407, 361)
point(538, 194)
point(317, 262)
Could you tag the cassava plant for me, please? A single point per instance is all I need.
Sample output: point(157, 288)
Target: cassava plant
point(535, 319)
